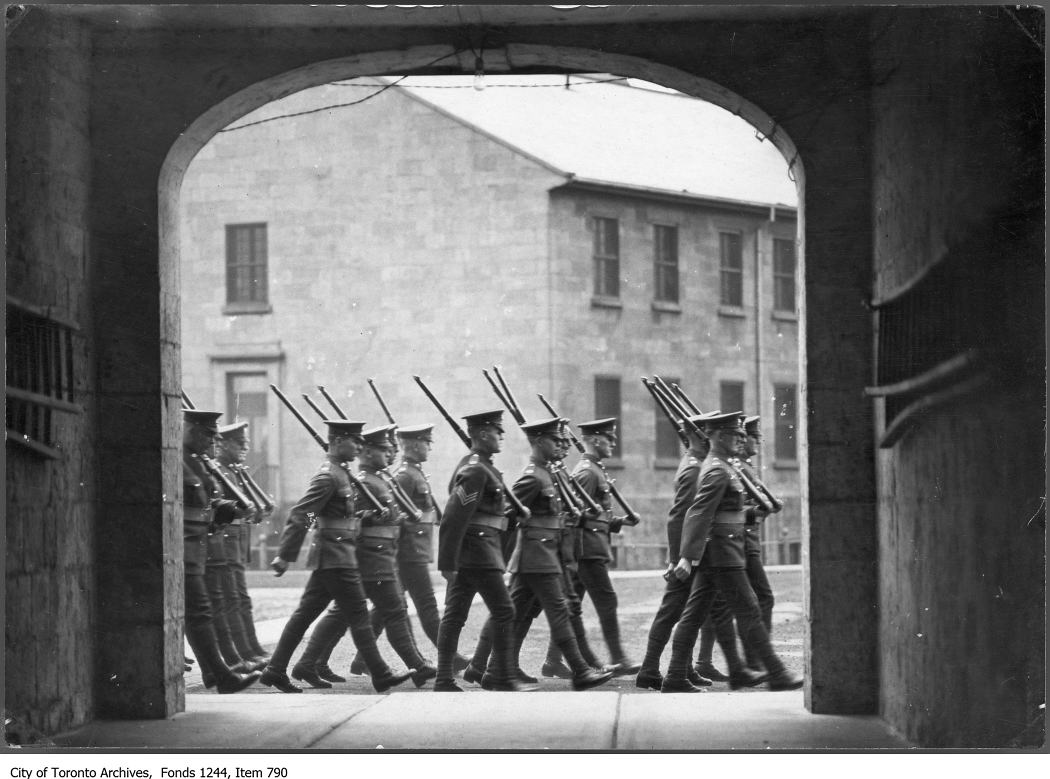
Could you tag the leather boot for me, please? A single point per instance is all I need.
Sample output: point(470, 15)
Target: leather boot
point(328, 674)
point(592, 677)
point(310, 676)
point(384, 682)
point(784, 680)
point(708, 671)
point(279, 680)
point(677, 684)
point(648, 680)
point(205, 646)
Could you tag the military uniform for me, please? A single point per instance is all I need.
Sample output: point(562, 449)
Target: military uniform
point(328, 509)
point(470, 546)
point(377, 562)
point(204, 508)
point(713, 541)
point(756, 572)
point(596, 556)
point(538, 580)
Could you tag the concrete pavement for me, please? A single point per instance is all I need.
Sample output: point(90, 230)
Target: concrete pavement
point(423, 720)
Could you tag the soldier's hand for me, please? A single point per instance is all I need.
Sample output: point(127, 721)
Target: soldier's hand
point(683, 569)
point(669, 573)
point(279, 566)
point(449, 576)
point(242, 513)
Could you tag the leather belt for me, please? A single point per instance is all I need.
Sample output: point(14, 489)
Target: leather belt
point(489, 520)
point(381, 531)
point(595, 524)
point(729, 518)
point(547, 521)
point(343, 523)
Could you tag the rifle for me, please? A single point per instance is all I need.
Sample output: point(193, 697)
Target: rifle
point(329, 398)
point(575, 497)
point(753, 490)
point(632, 515)
point(213, 469)
point(382, 405)
point(315, 407)
point(324, 445)
point(511, 497)
point(679, 427)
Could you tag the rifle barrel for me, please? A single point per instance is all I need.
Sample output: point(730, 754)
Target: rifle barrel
point(331, 401)
point(187, 402)
point(382, 405)
point(515, 409)
point(314, 406)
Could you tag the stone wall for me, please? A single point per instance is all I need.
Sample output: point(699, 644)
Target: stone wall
point(50, 504)
point(957, 492)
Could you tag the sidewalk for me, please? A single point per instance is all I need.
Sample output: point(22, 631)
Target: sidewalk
point(424, 720)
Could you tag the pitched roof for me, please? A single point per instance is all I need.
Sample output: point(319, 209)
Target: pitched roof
point(622, 132)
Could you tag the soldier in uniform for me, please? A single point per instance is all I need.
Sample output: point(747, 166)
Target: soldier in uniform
point(756, 572)
point(687, 477)
point(599, 438)
point(330, 503)
point(232, 587)
point(538, 580)
point(712, 559)
point(204, 507)
point(377, 561)
point(470, 554)
point(415, 549)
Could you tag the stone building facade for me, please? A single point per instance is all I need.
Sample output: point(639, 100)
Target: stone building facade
point(343, 213)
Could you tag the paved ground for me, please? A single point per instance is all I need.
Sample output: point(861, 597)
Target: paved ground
point(616, 716)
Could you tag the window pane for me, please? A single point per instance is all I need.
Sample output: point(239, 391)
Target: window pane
point(665, 262)
point(606, 257)
point(731, 396)
point(607, 402)
point(732, 269)
point(246, 263)
point(785, 419)
point(668, 445)
point(783, 275)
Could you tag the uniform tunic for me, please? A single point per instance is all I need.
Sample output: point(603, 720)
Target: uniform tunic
point(474, 519)
point(417, 538)
point(377, 543)
point(592, 477)
point(538, 548)
point(328, 504)
point(713, 527)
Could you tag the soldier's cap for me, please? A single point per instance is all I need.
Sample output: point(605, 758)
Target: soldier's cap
point(699, 419)
point(751, 425)
point(552, 426)
point(485, 419)
point(733, 420)
point(378, 436)
point(209, 420)
point(605, 426)
point(238, 431)
point(417, 432)
point(344, 428)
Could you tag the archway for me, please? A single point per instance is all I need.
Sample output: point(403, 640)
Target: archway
point(422, 59)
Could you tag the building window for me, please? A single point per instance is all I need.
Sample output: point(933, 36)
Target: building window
point(783, 275)
point(668, 445)
point(607, 403)
point(785, 415)
point(247, 400)
point(246, 263)
point(606, 257)
point(732, 269)
point(665, 263)
point(731, 396)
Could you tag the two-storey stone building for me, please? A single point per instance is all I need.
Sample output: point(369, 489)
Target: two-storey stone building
point(585, 236)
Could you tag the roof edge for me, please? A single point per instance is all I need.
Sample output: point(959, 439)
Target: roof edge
point(471, 126)
point(724, 203)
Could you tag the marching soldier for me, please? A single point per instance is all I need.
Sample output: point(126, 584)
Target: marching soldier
point(234, 625)
point(204, 507)
point(599, 438)
point(712, 559)
point(470, 553)
point(377, 561)
point(676, 592)
point(415, 549)
point(756, 572)
point(538, 580)
point(329, 503)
